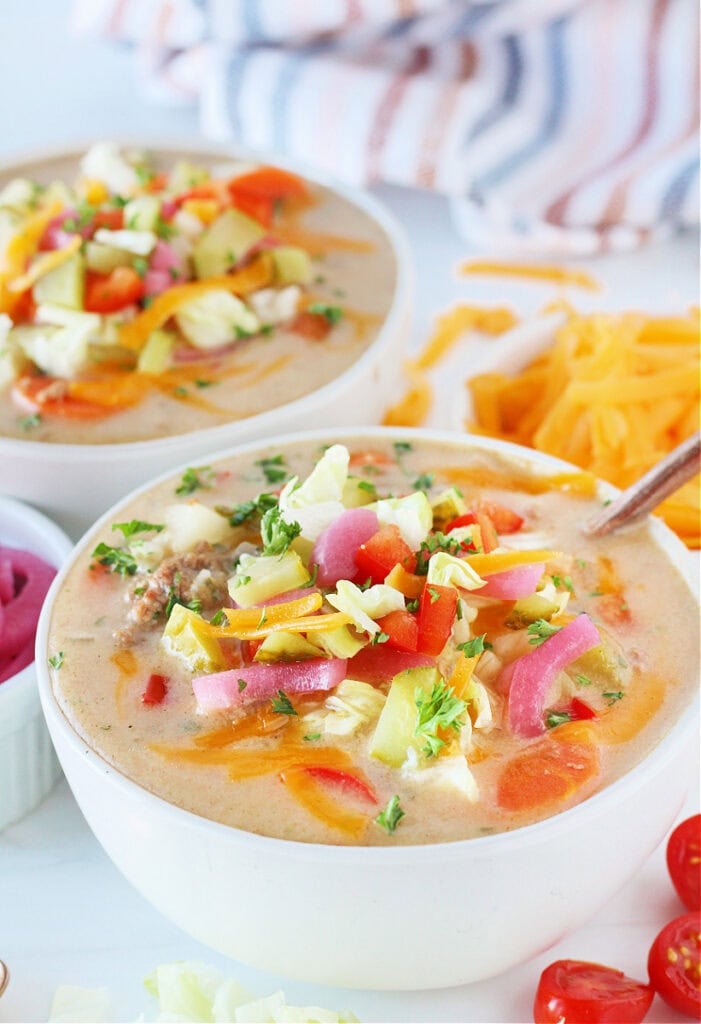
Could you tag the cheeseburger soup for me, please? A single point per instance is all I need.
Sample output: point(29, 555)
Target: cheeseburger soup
point(152, 298)
point(410, 644)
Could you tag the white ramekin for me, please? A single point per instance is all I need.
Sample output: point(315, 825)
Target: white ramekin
point(28, 765)
point(74, 483)
point(378, 917)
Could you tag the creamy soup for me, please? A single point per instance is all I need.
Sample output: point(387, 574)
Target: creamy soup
point(152, 297)
point(413, 644)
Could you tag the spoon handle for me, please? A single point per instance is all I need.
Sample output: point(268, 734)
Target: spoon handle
point(658, 483)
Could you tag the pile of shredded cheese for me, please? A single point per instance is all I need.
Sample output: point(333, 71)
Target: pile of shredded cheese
point(614, 393)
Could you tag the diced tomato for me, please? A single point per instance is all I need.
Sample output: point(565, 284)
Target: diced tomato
point(378, 556)
point(112, 219)
point(347, 782)
point(257, 207)
point(581, 711)
point(215, 189)
point(36, 394)
point(369, 457)
point(24, 307)
point(379, 663)
point(684, 861)
point(574, 991)
point(674, 964)
point(158, 182)
point(613, 609)
point(268, 183)
point(314, 326)
point(437, 608)
point(490, 538)
point(248, 650)
point(505, 520)
point(402, 628)
point(156, 689)
point(108, 293)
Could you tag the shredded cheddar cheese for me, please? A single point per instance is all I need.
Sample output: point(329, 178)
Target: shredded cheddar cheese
point(537, 271)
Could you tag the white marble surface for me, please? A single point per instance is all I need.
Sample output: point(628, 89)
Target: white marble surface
point(66, 915)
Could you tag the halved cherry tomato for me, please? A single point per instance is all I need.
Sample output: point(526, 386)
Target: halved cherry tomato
point(577, 992)
point(35, 395)
point(156, 689)
point(684, 861)
point(402, 629)
point(112, 219)
point(674, 964)
point(108, 293)
point(437, 608)
point(378, 556)
point(505, 520)
point(347, 782)
point(314, 326)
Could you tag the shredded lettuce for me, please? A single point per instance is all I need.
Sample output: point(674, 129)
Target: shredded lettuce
point(448, 772)
point(216, 318)
point(75, 1005)
point(363, 606)
point(446, 570)
point(315, 503)
point(413, 516)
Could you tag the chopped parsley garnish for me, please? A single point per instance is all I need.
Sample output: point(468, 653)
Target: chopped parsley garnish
point(194, 479)
point(424, 482)
point(612, 696)
point(366, 584)
point(555, 718)
point(596, 593)
point(137, 526)
point(267, 329)
point(402, 447)
point(240, 513)
point(563, 581)
point(30, 422)
point(242, 684)
point(274, 468)
point(391, 816)
point(140, 265)
point(434, 594)
point(180, 392)
point(473, 648)
point(144, 173)
point(282, 704)
point(311, 582)
point(365, 485)
point(413, 606)
point(200, 383)
point(242, 581)
point(218, 618)
point(540, 631)
point(56, 661)
point(116, 559)
point(276, 534)
point(580, 563)
point(195, 605)
point(147, 301)
point(332, 313)
point(164, 230)
point(437, 542)
point(442, 710)
point(379, 638)
point(311, 736)
point(582, 680)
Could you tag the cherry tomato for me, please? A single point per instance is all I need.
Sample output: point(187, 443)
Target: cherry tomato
point(674, 964)
point(108, 293)
point(684, 861)
point(577, 992)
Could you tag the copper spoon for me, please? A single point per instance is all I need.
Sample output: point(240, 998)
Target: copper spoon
point(658, 483)
point(4, 977)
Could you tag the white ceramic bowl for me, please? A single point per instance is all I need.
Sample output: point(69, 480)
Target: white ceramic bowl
point(75, 483)
point(377, 917)
point(28, 765)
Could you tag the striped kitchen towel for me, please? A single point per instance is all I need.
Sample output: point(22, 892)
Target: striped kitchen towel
point(566, 126)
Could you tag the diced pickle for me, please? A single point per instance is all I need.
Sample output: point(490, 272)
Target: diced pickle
point(183, 638)
point(63, 286)
point(604, 665)
point(224, 242)
point(282, 646)
point(395, 733)
point(530, 609)
point(357, 492)
point(292, 265)
point(337, 643)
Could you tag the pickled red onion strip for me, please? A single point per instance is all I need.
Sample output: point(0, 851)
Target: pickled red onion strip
point(241, 686)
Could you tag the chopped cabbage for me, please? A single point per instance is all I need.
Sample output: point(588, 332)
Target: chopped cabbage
point(139, 243)
point(284, 646)
point(72, 1004)
point(448, 772)
point(11, 359)
point(317, 502)
point(448, 505)
point(185, 639)
point(352, 705)
point(105, 163)
point(215, 319)
point(61, 316)
point(192, 523)
point(58, 351)
point(477, 697)
point(446, 570)
point(363, 606)
point(413, 516)
point(260, 577)
point(274, 306)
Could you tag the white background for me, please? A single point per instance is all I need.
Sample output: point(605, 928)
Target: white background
point(66, 915)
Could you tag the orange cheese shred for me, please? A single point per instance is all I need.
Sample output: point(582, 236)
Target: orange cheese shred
point(536, 271)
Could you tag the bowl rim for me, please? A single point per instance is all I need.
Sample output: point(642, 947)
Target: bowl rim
point(543, 831)
point(390, 326)
point(57, 539)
